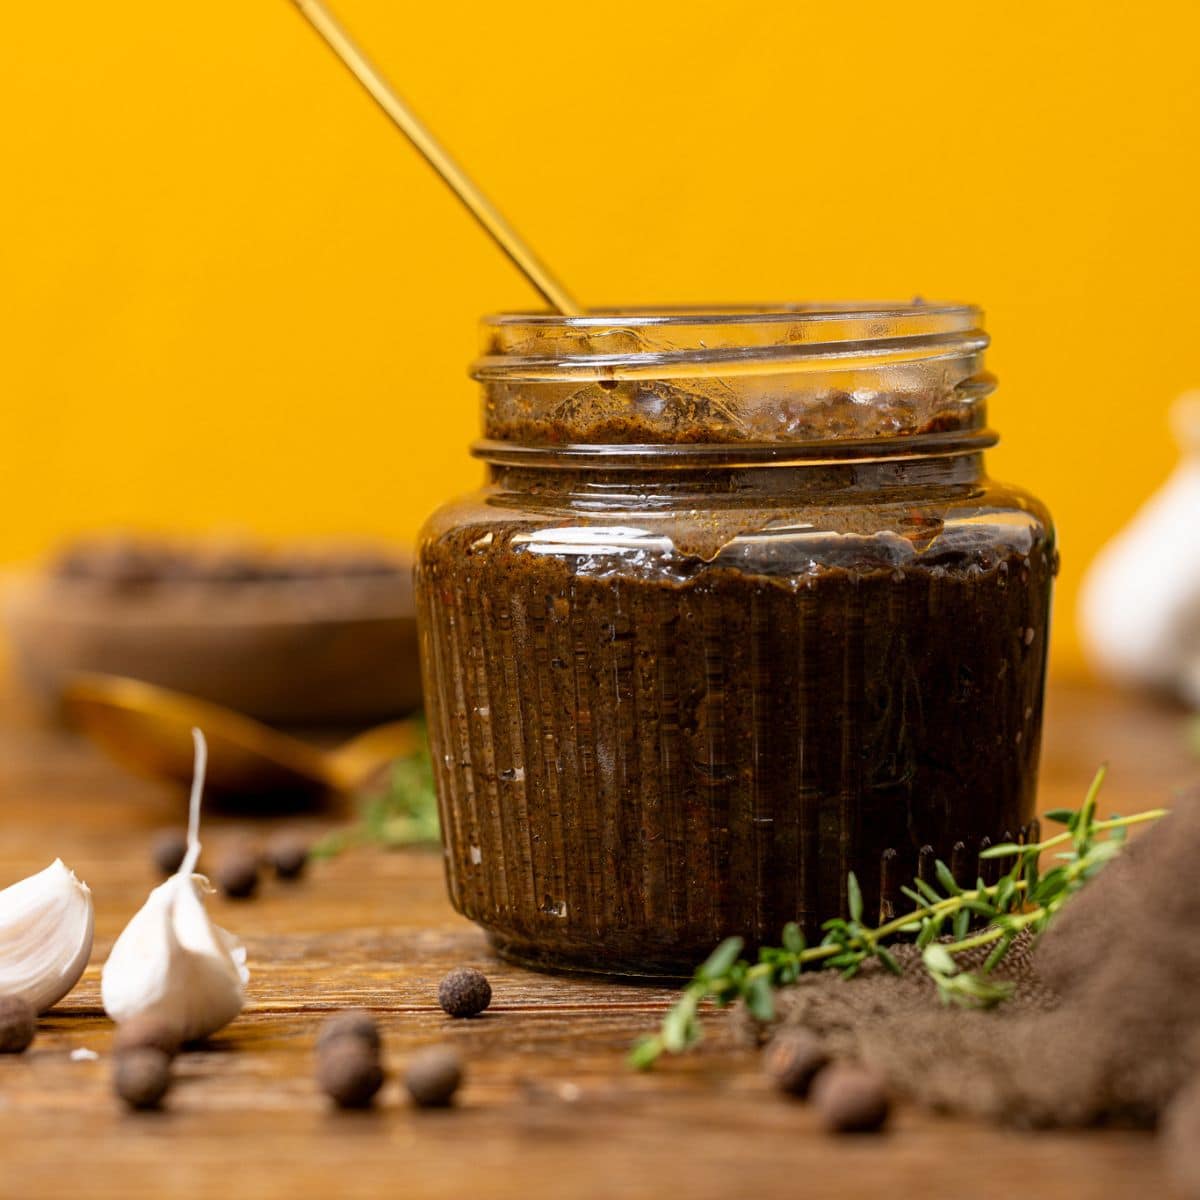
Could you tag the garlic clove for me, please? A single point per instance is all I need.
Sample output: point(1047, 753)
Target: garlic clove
point(46, 926)
point(171, 961)
point(1139, 607)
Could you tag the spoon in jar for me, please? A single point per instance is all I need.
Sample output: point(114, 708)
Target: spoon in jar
point(147, 729)
point(480, 207)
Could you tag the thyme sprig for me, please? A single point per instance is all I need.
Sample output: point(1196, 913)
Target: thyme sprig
point(404, 813)
point(1024, 898)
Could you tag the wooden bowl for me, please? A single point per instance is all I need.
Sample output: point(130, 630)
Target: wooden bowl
point(333, 651)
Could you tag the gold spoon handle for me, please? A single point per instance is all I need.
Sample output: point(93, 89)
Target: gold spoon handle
point(352, 763)
point(504, 235)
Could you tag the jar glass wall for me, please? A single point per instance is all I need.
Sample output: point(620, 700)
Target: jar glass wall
point(738, 611)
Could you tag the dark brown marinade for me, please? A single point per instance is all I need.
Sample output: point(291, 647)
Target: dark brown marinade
point(631, 767)
point(655, 413)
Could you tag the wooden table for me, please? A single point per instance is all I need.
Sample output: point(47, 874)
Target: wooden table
point(548, 1109)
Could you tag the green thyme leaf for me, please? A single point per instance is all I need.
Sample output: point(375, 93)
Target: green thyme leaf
point(849, 959)
point(938, 959)
point(972, 991)
point(1002, 850)
point(721, 959)
point(946, 878)
point(760, 999)
point(999, 950)
point(854, 900)
point(927, 891)
point(886, 957)
point(645, 1052)
point(680, 1029)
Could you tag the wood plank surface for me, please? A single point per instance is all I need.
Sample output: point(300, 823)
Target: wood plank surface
point(548, 1109)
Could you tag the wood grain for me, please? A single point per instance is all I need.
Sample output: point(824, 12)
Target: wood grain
point(548, 1109)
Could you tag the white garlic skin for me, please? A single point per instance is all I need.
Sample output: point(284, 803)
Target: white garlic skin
point(1139, 610)
point(172, 962)
point(46, 927)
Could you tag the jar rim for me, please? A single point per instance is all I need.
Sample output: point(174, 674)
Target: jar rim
point(771, 373)
point(682, 342)
point(737, 314)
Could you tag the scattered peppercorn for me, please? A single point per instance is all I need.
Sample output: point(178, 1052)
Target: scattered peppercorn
point(288, 854)
point(850, 1099)
point(792, 1059)
point(142, 1076)
point(139, 1032)
point(168, 850)
point(18, 1024)
point(237, 874)
point(433, 1076)
point(465, 992)
point(350, 1023)
point(349, 1072)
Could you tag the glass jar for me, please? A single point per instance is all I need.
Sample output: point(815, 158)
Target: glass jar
point(737, 612)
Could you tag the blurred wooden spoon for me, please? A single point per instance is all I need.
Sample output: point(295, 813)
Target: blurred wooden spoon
point(147, 729)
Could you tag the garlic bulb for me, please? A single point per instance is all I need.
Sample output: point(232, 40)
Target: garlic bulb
point(46, 926)
point(1139, 612)
point(171, 961)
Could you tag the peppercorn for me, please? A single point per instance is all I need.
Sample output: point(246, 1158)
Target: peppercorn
point(349, 1072)
point(142, 1076)
point(168, 850)
point(433, 1076)
point(465, 992)
point(792, 1059)
point(237, 874)
point(146, 1030)
point(18, 1024)
point(350, 1023)
point(288, 854)
point(850, 1099)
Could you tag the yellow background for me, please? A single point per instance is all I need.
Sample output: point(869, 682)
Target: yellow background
point(232, 297)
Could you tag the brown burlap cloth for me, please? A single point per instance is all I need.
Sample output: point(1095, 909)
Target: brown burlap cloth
point(1104, 1025)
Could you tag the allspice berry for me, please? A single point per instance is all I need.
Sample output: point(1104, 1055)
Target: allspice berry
point(237, 873)
point(288, 855)
point(349, 1072)
point(792, 1059)
point(850, 1099)
point(465, 992)
point(433, 1076)
point(18, 1024)
point(142, 1076)
point(350, 1023)
point(168, 850)
point(145, 1031)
